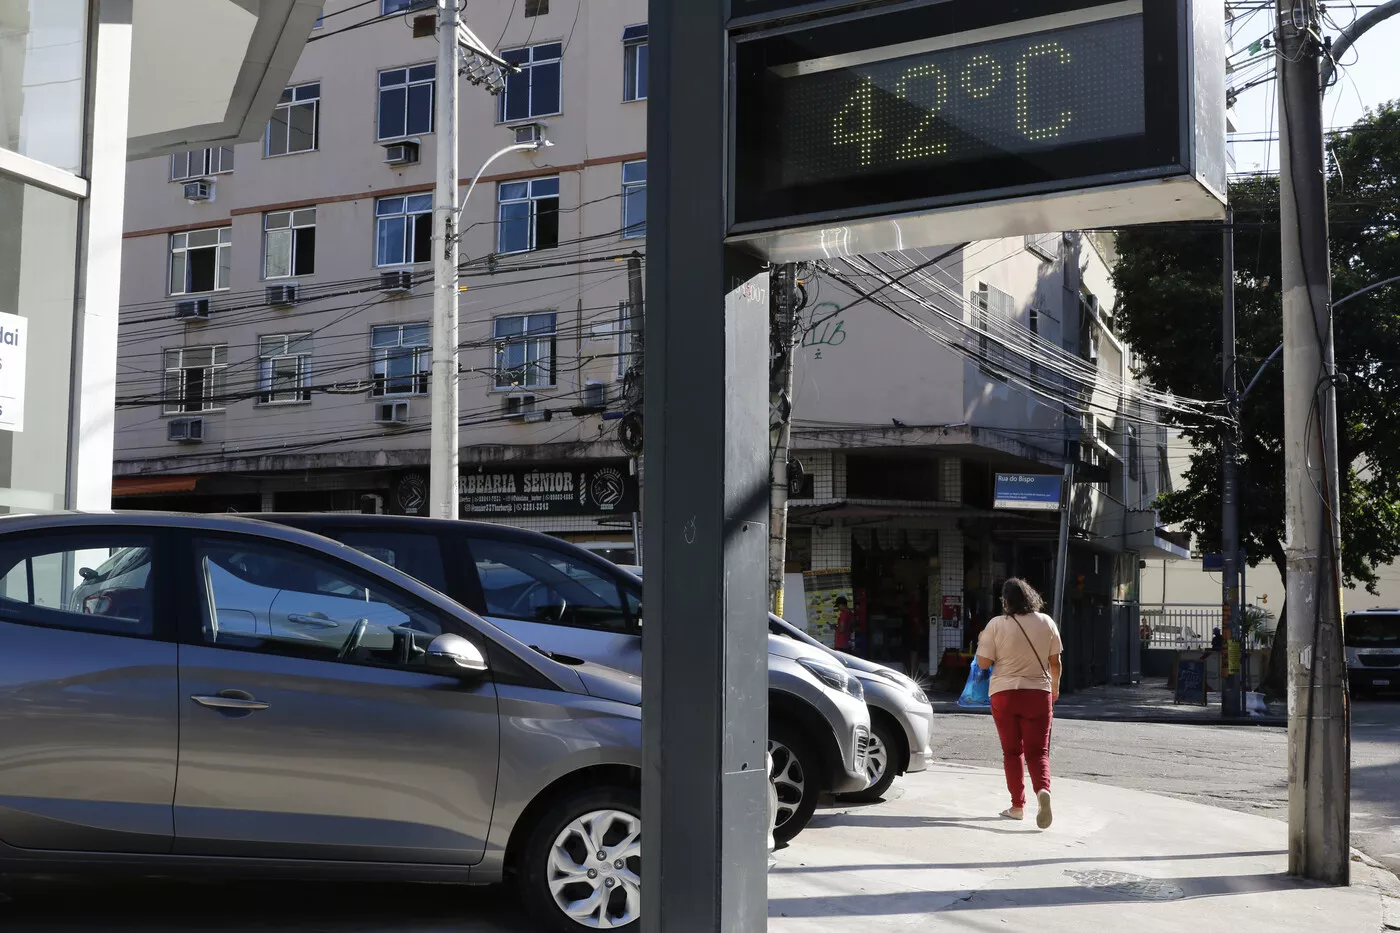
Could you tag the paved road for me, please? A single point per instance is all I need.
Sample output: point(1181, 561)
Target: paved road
point(1241, 768)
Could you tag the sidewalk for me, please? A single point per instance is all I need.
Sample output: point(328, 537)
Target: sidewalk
point(939, 858)
point(1149, 701)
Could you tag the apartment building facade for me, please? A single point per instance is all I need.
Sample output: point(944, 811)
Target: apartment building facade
point(275, 339)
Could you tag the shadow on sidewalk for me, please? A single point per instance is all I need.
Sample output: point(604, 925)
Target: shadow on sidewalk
point(1024, 863)
point(927, 902)
point(1005, 827)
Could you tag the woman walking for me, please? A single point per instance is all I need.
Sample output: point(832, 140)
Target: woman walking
point(1025, 646)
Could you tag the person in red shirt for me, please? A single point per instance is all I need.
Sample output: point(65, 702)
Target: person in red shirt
point(845, 625)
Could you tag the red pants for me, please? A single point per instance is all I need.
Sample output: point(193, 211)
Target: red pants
point(1023, 720)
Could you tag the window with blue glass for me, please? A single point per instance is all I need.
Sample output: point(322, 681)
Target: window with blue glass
point(634, 199)
point(404, 230)
point(529, 215)
point(534, 90)
point(525, 351)
point(406, 101)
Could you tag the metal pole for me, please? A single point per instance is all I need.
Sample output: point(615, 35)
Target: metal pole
point(1319, 806)
point(704, 657)
point(784, 285)
point(1231, 699)
point(443, 501)
point(1062, 553)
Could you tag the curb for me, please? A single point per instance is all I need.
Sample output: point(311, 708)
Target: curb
point(1273, 722)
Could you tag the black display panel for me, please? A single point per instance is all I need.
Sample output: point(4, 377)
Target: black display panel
point(953, 102)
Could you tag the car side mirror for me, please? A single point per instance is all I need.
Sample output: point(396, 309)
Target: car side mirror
point(87, 573)
point(453, 654)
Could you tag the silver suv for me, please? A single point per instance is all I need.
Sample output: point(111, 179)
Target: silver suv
point(206, 691)
point(562, 598)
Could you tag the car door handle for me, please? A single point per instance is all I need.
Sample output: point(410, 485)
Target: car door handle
point(315, 619)
point(236, 704)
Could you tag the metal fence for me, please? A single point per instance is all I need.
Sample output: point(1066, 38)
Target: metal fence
point(1178, 626)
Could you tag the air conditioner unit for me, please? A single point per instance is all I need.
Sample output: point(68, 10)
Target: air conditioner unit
point(193, 309)
point(281, 294)
point(391, 413)
point(538, 416)
point(518, 406)
point(185, 430)
point(199, 190)
point(398, 281)
point(401, 153)
point(529, 133)
point(592, 400)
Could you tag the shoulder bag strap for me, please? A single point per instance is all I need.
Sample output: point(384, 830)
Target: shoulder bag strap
point(1043, 668)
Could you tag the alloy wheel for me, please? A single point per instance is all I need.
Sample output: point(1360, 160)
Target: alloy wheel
point(877, 759)
point(789, 780)
point(595, 869)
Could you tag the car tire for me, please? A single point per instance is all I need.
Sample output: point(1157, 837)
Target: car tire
point(795, 777)
point(607, 884)
point(883, 747)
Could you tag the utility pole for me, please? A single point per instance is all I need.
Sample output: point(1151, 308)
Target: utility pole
point(1232, 696)
point(636, 355)
point(1062, 551)
point(442, 472)
point(1319, 785)
point(783, 286)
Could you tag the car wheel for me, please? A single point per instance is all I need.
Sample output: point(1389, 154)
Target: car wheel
point(879, 765)
point(583, 867)
point(794, 778)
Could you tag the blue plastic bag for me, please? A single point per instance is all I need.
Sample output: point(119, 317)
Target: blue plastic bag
point(977, 693)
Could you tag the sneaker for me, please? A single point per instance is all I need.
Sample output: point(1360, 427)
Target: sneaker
point(1044, 817)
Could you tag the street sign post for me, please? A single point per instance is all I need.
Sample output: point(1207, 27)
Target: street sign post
point(945, 120)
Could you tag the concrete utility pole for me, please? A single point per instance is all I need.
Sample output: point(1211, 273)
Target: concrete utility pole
point(1319, 785)
point(636, 318)
point(1232, 696)
point(442, 471)
point(783, 283)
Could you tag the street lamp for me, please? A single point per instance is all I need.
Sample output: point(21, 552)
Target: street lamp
point(535, 146)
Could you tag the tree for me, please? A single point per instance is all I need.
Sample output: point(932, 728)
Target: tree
point(1168, 281)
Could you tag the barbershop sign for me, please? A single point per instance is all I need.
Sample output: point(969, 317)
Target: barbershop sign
point(594, 489)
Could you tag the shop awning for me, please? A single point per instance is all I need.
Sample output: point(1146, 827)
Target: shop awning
point(151, 485)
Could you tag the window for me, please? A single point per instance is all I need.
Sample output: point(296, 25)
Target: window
point(90, 582)
point(525, 351)
point(418, 555)
point(634, 199)
point(536, 7)
point(277, 600)
point(405, 230)
point(403, 359)
point(992, 306)
point(533, 91)
point(1044, 245)
point(284, 368)
point(1133, 452)
point(200, 260)
point(387, 7)
point(634, 62)
point(198, 163)
point(194, 379)
point(529, 215)
point(406, 101)
point(289, 243)
point(537, 584)
point(295, 122)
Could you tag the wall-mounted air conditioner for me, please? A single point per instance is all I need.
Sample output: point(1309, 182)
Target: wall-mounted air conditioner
point(193, 309)
point(518, 406)
point(529, 133)
point(398, 281)
point(185, 430)
point(281, 295)
point(202, 190)
point(394, 413)
point(404, 152)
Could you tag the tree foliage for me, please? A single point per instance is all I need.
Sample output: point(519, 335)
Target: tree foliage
point(1169, 284)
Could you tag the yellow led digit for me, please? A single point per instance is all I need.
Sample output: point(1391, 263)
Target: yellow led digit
point(916, 147)
point(990, 73)
point(1023, 92)
point(858, 110)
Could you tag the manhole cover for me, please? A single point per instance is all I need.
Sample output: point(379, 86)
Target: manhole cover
point(1126, 885)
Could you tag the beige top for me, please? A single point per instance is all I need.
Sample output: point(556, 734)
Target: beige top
point(1017, 665)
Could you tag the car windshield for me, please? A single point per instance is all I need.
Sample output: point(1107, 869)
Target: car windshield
point(1373, 630)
